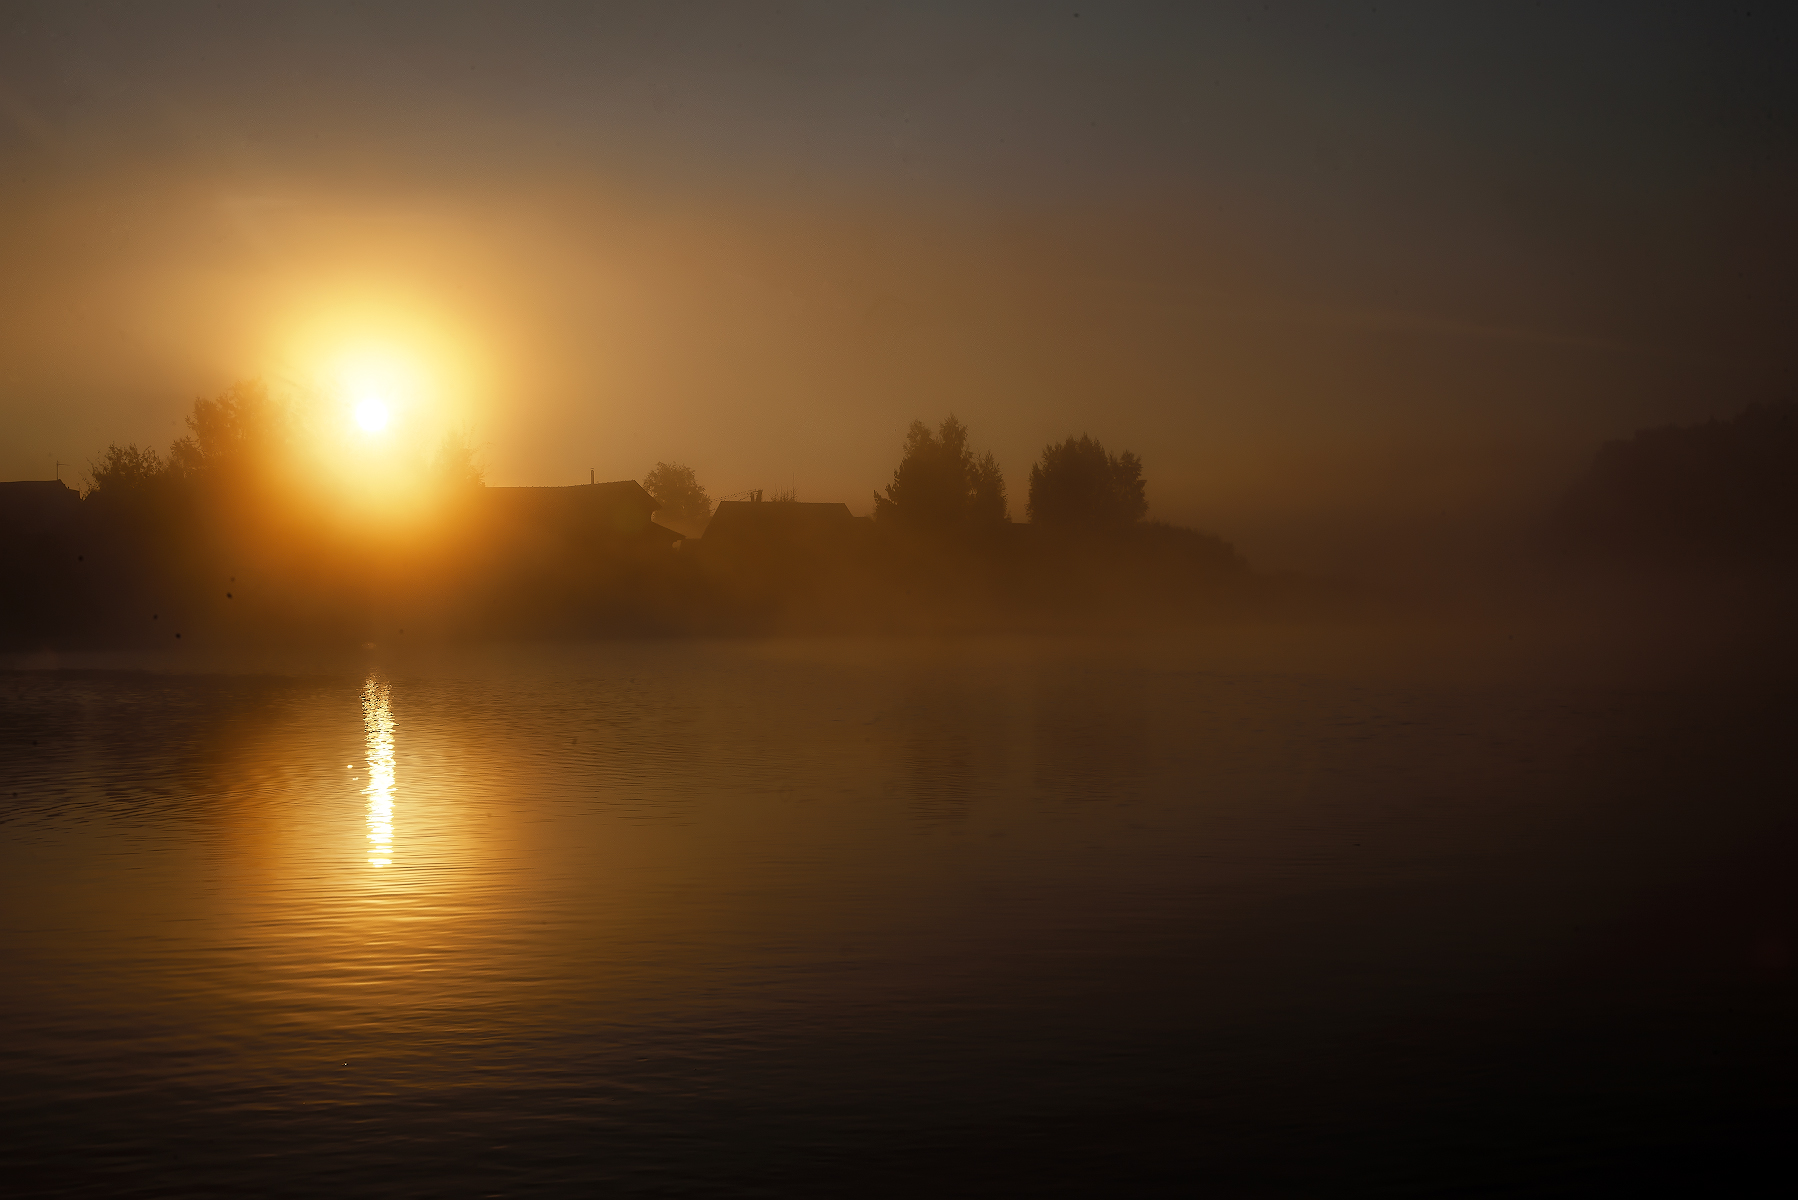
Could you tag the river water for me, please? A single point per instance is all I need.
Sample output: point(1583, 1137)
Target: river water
point(888, 917)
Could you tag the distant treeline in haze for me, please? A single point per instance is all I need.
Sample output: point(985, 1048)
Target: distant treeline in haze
point(269, 520)
point(1718, 498)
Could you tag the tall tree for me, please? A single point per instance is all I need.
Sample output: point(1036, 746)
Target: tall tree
point(988, 505)
point(675, 487)
point(939, 484)
point(1078, 485)
point(241, 430)
point(453, 465)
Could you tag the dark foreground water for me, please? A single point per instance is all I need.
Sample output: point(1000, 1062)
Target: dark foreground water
point(899, 918)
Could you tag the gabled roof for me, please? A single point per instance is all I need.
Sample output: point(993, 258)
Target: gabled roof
point(764, 520)
point(620, 508)
point(52, 490)
point(619, 492)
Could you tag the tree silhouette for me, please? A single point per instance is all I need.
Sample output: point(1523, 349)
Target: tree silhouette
point(1722, 494)
point(1078, 485)
point(125, 471)
point(243, 430)
point(940, 485)
point(454, 466)
point(676, 488)
point(988, 505)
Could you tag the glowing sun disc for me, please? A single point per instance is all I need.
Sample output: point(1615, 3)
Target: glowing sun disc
point(371, 415)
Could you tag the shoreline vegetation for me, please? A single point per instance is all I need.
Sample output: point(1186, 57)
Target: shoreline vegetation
point(265, 523)
point(268, 524)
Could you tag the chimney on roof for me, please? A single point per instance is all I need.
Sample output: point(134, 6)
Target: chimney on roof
point(589, 476)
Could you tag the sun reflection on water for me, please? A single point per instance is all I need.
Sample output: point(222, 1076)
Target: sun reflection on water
point(377, 723)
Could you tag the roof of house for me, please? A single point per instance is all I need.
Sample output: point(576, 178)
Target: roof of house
point(37, 487)
point(762, 520)
point(618, 492)
point(619, 507)
point(37, 502)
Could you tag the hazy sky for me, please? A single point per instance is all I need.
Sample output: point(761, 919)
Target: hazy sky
point(1337, 273)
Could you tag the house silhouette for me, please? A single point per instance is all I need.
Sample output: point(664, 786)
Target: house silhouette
point(766, 524)
point(33, 507)
point(588, 512)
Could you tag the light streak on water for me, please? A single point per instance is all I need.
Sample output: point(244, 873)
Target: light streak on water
point(377, 722)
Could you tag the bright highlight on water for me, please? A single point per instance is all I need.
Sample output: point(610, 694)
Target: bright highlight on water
point(377, 721)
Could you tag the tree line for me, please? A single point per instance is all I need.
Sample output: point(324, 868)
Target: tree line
point(941, 486)
point(245, 436)
point(251, 526)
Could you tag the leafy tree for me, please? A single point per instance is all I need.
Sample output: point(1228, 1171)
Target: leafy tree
point(676, 488)
point(453, 466)
point(988, 505)
point(1078, 485)
point(1719, 495)
point(241, 430)
point(126, 471)
point(939, 484)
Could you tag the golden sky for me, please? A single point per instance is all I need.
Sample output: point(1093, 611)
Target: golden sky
point(1335, 275)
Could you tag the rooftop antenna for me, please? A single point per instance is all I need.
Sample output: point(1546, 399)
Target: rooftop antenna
point(589, 476)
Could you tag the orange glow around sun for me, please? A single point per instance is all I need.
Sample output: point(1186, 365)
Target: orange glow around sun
point(379, 384)
point(394, 369)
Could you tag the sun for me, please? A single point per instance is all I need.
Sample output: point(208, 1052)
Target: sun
point(377, 384)
point(382, 369)
point(372, 414)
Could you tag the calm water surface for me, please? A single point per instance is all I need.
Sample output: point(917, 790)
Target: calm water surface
point(887, 918)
